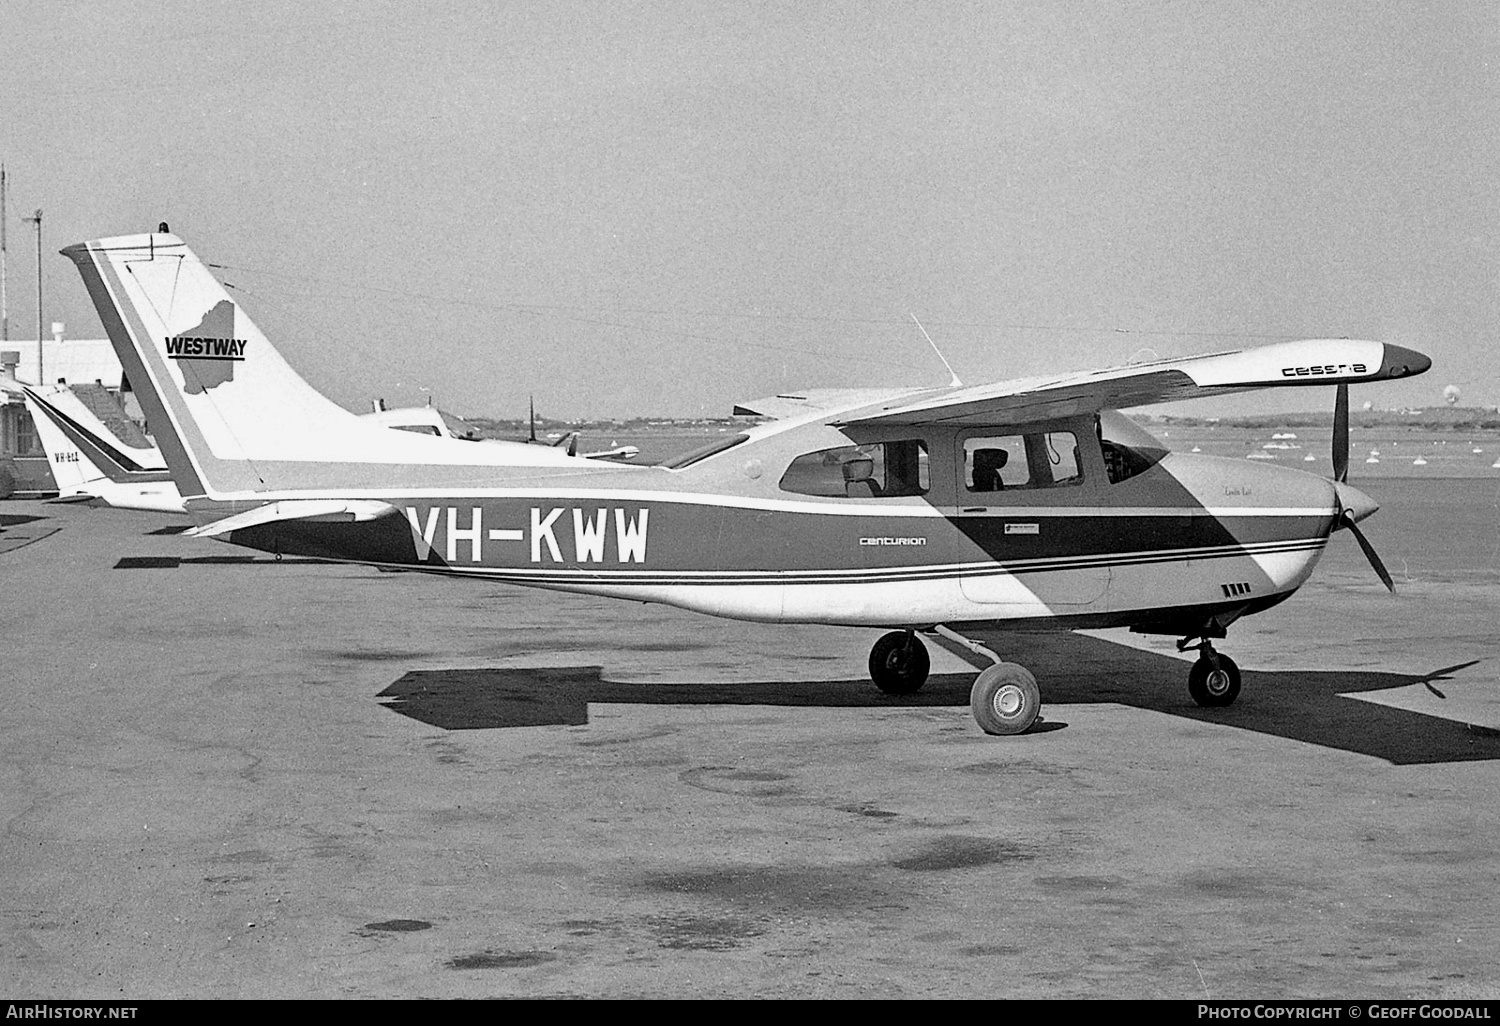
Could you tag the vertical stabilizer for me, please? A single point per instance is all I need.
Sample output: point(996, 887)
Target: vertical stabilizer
point(225, 394)
point(73, 471)
point(231, 416)
point(90, 460)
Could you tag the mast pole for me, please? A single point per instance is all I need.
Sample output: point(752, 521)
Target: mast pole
point(4, 306)
point(41, 378)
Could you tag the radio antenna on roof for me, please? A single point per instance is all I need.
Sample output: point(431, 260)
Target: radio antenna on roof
point(955, 382)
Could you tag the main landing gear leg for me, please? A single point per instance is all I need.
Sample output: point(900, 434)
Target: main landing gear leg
point(899, 663)
point(1005, 698)
point(1214, 680)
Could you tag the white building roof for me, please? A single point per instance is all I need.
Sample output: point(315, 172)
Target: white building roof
point(78, 361)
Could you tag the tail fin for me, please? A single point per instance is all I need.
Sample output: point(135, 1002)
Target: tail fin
point(89, 461)
point(231, 416)
point(73, 471)
point(67, 425)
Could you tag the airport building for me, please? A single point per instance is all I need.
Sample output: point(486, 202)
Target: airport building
point(88, 365)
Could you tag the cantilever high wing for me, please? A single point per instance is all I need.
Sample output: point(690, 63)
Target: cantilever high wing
point(1307, 362)
point(823, 401)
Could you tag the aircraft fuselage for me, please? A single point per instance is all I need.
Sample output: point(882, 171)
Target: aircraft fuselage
point(747, 534)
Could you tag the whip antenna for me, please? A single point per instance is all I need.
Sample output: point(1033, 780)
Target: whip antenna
point(935, 349)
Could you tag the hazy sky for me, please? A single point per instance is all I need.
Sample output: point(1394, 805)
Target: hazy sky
point(661, 207)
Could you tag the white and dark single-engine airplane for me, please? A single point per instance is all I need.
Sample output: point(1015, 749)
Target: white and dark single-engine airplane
point(1027, 503)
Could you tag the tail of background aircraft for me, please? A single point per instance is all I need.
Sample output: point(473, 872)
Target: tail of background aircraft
point(231, 416)
point(89, 461)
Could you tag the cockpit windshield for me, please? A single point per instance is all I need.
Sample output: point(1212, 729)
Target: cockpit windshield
point(1129, 449)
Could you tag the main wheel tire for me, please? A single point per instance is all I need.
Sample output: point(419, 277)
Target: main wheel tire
point(899, 663)
point(1214, 688)
point(1005, 699)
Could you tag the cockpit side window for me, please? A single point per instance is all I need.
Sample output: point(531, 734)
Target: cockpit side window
point(873, 471)
point(1039, 459)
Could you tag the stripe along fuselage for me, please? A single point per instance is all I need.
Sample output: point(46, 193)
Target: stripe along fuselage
point(1108, 533)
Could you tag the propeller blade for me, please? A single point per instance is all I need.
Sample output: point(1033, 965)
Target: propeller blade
point(1341, 434)
point(1369, 551)
point(532, 403)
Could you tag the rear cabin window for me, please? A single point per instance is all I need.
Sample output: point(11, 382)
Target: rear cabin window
point(703, 452)
point(878, 470)
point(1041, 459)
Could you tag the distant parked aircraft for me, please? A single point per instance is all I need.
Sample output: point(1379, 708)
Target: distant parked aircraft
point(89, 461)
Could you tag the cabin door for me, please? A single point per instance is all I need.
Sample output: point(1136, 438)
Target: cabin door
point(1030, 535)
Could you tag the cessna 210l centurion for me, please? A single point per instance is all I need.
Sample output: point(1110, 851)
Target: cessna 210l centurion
point(1026, 503)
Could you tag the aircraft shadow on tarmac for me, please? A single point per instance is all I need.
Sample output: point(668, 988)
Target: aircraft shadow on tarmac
point(1301, 705)
point(173, 562)
point(18, 530)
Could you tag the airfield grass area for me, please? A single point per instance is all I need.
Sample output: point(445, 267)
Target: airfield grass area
point(224, 776)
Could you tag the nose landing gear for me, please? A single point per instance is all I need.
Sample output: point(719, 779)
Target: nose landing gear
point(1214, 680)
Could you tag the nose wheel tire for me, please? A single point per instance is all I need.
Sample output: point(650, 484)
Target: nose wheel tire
point(1005, 699)
point(899, 663)
point(1214, 686)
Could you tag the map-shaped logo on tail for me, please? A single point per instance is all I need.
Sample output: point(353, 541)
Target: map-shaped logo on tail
point(208, 351)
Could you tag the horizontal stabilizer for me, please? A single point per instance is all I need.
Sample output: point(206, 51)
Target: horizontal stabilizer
point(315, 510)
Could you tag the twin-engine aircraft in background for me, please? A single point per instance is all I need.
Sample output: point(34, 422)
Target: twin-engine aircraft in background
point(568, 442)
point(1026, 503)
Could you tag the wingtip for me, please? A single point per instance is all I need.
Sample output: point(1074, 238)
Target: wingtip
point(1401, 362)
